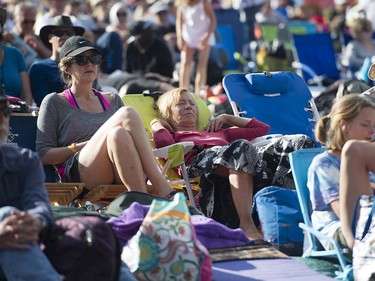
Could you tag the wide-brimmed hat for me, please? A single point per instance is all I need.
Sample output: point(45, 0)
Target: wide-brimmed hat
point(3, 16)
point(58, 21)
point(76, 45)
point(158, 7)
point(138, 27)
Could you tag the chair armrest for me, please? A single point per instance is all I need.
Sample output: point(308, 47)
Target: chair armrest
point(316, 233)
point(163, 151)
point(264, 140)
point(304, 67)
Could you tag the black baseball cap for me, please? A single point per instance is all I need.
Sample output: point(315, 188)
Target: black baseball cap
point(76, 45)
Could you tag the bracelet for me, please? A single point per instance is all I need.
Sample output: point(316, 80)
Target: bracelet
point(73, 148)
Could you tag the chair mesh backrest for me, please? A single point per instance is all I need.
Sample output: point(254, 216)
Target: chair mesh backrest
point(300, 161)
point(281, 100)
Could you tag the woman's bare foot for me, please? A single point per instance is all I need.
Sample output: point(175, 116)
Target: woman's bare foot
point(252, 233)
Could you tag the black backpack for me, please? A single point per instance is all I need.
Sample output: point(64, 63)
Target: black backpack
point(82, 246)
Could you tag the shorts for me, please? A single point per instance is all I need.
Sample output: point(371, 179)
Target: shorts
point(71, 172)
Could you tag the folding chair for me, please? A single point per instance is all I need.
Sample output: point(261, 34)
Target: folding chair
point(144, 104)
point(301, 27)
point(226, 41)
point(315, 57)
point(280, 99)
point(231, 17)
point(300, 161)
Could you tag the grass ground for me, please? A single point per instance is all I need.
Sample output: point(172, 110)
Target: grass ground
point(321, 265)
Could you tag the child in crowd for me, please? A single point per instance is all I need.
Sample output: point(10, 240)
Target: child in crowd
point(195, 26)
point(352, 118)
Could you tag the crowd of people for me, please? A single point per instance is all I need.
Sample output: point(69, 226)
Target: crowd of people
point(78, 57)
point(156, 45)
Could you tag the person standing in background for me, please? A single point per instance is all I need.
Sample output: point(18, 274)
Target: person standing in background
point(195, 27)
point(248, 10)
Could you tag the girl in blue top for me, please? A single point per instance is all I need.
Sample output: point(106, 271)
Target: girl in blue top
point(351, 117)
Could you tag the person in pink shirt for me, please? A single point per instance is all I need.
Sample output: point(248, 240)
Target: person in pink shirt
point(223, 156)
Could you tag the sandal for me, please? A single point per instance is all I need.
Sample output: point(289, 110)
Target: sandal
point(260, 242)
point(170, 194)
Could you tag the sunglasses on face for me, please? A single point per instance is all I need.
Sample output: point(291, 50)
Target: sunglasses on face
point(83, 60)
point(121, 14)
point(28, 22)
point(61, 32)
point(5, 111)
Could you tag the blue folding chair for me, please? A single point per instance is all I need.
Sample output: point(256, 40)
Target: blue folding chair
point(300, 161)
point(315, 56)
point(280, 99)
point(226, 41)
point(231, 17)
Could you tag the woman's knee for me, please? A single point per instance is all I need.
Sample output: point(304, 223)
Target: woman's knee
point(127, 114)
point(118, 135)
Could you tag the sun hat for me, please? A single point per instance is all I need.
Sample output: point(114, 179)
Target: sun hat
point(158, 7)
point(76, 45)
point(138, 27)
point(58, 21)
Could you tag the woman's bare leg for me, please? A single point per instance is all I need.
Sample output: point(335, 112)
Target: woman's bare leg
point(201, 76)
point(357, 159)
point(185, 67)
point(242, 192)
point(120, 150)
point(241, 185)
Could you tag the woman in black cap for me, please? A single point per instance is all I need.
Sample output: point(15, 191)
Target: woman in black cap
point(97, 139)
point(13, 70)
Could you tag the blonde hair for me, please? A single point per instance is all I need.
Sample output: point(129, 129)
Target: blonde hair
point(357, 26)
point(168, 100)
point(64, 64)
point(328, 131)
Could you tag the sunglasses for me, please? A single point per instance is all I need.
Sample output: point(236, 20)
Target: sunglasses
point(121, 14)
point(6, 111)
point(84, 60)
point(61, 32)
point(28, 22)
